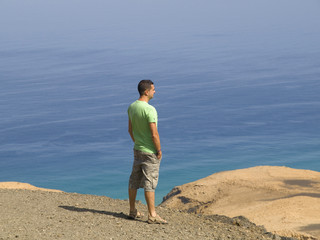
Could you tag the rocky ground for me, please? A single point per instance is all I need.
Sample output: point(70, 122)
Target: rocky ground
point(285, 200)
point(31, 214)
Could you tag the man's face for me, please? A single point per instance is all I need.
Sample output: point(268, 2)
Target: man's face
point(150, 92)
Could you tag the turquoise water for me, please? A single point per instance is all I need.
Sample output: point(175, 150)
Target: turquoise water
point(237, 85)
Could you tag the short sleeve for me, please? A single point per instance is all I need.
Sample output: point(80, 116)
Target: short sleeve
point(152, 115)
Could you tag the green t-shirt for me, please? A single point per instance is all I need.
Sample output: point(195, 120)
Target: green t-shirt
point(141, 114)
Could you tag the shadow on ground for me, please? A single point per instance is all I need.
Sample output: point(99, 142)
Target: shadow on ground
point(76, 209)
point(313, 229)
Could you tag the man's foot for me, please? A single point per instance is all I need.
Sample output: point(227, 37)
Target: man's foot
point(156, 220)
point(135, 214)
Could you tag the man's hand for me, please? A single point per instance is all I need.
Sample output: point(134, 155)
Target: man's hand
point(159, 154)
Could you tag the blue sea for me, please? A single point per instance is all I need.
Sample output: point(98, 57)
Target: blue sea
point(237, 85)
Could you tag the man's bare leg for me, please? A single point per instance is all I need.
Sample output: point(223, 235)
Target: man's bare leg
point(150, 203)
point(150, 197)
point(132, 199)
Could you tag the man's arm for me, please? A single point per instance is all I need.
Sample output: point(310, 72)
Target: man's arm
point(156, 138)
point(130, 130)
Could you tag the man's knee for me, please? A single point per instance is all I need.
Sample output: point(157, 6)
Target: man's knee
point(149, 194)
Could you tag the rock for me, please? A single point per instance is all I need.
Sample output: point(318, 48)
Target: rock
point(284, 200)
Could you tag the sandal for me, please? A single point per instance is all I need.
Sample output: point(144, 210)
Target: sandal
point(156, 220)
point(135, 214)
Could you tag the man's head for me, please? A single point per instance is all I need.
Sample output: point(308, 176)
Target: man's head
point(146, 88)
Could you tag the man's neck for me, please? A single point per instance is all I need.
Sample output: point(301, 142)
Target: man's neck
point(144, 99)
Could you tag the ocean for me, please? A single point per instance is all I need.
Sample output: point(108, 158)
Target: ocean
point(237, 85)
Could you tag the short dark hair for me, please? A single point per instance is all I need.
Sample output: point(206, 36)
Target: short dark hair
point(144, 85)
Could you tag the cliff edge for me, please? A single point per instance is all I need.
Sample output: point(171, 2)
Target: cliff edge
point(285, 201)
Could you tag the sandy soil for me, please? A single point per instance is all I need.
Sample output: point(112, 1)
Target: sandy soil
point(27, 186)
point(31, 215)
point(285, 200)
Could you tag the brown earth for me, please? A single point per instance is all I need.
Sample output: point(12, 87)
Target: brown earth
point(27, 186)
point(285, 200)
point(33, 215)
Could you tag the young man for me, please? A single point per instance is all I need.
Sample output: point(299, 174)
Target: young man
point(143, 120)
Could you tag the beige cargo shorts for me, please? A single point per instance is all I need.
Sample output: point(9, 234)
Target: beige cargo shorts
point(145, 171)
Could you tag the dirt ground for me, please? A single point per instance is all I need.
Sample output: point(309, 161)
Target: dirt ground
point(32, 214)
point(285, 200)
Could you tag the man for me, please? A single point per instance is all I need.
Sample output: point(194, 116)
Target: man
point(143, 120)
